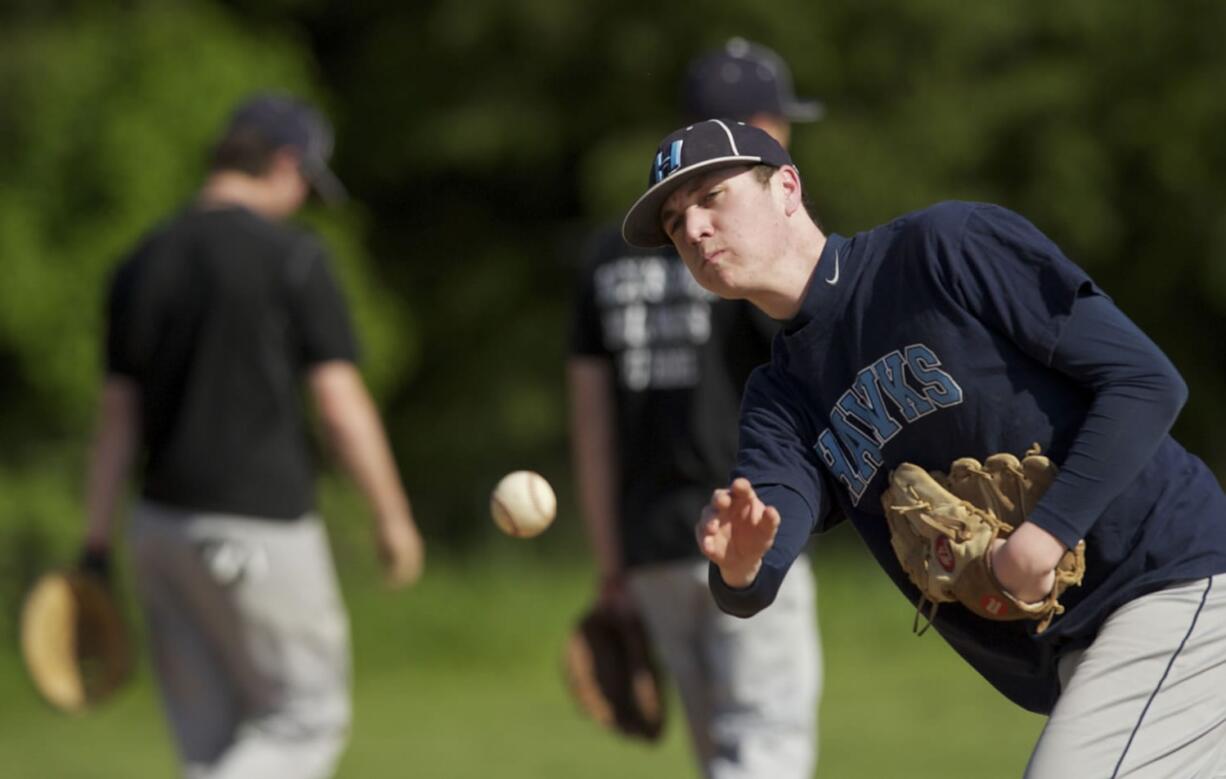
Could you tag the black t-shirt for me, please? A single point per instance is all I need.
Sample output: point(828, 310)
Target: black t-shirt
point(680, 359)
point(215, 316)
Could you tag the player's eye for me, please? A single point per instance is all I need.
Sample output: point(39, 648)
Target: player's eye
point(673, 224)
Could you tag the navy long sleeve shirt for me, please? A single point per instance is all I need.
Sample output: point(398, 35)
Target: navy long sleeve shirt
point(958, 331)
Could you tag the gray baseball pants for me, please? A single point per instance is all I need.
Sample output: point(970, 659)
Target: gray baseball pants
point(1146, 700)
point(249, 641)
point(750, 687)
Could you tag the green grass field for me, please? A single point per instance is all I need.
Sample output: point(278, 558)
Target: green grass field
point(459, 679)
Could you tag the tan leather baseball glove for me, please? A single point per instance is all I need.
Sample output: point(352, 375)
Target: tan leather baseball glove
point(73, 640)
point(612, 676)
point(941, 527)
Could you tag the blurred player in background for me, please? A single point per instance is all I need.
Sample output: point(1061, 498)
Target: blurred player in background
point(215, 323)
point(655, 376)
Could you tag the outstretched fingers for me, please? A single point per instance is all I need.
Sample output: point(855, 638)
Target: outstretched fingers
point(770, 521)
point(713, 530)
point(736, 530)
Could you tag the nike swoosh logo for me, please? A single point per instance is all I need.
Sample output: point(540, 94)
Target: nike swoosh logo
point(835, 278)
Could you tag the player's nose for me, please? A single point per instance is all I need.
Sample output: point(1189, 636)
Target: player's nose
point(697, 225)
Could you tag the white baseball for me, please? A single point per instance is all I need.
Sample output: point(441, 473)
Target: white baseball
point(523, 504)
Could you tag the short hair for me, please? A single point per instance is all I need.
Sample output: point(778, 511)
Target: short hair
point(763, 174)
point(243, 151)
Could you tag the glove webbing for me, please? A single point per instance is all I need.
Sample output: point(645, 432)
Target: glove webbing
point(928, 617)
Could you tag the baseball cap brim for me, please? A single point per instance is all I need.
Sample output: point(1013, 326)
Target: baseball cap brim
point(642, 227)
point(325, 183)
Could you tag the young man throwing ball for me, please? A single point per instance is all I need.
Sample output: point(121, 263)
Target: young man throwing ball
point(961, 331)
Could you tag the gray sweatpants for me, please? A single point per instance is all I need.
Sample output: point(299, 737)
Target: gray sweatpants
point(249, 640)
point(750, 687)
point(1146, 700)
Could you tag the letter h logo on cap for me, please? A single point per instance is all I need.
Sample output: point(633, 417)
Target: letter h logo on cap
point(663, 167)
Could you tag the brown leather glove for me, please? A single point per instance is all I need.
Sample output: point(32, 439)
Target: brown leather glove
point(611, 674)
point(74, 641)
point(942, 526)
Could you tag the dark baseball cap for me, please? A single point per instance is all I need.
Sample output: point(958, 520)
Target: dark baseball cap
point(740, 80)
point(689, 152)
point(283, 120)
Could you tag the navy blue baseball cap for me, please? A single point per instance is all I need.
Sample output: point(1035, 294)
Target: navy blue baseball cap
point(283, 120)
point(689, 152)
point(740, 80)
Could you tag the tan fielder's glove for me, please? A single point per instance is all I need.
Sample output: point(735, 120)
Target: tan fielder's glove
point(73, 640)
point(612, 676)
point(941, 527)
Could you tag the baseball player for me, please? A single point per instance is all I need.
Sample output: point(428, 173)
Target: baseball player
point(961, 330)
point(656, 372)
point(216, 322)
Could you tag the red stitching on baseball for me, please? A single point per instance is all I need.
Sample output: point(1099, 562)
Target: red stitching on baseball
point(510, 518)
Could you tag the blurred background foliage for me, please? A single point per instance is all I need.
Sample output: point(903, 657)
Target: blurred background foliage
point(483, 140)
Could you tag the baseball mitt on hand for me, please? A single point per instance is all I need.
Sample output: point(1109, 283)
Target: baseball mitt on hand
point(611, 674)
point(941, 527)
point(73, 640)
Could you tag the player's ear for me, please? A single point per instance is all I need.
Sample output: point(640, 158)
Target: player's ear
point(789, 184)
